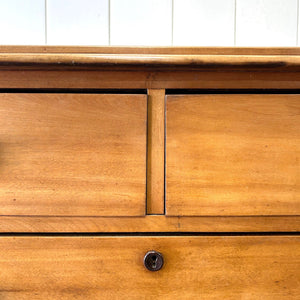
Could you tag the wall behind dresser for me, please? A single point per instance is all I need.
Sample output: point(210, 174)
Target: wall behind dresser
point(150, 22)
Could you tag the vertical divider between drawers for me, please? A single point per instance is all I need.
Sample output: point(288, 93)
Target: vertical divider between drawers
point(156, 152)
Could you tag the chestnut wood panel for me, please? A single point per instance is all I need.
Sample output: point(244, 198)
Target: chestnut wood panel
point(278, 58)
point(73, 154)
point(148, 67)
point(108, 78)
point(279, 62)
point(149, 223)
point(233, 155)
point(153, 50)
point(224, 267)
point(156, 152)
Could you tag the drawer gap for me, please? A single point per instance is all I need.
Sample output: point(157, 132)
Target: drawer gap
point(230, 91)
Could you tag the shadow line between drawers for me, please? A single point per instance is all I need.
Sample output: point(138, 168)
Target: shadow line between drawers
point(100, 234)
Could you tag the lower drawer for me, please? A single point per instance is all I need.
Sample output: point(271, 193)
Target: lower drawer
point(214, 267)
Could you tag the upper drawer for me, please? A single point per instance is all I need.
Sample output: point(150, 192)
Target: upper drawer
point(233, 155)
point(72, 154)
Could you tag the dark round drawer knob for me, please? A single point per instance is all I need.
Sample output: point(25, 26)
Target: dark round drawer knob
point(153, 260)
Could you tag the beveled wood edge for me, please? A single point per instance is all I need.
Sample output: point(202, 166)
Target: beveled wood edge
point(158, 57)
point(154, 60)
point(152, 50)
point(149, 223)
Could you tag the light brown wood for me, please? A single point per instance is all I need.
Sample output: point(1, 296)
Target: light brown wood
point(156, 152)
point(147, 67)
point(224, 267)
point(233, 155)
point(131, 72)
point(153, 50)
point(149, 223)
point(156, 57)
point(143, 79)
point(161, 60)
point(72, 154)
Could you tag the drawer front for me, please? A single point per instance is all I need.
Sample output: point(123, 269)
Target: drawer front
point(232, 155)
point(72, 154)
point(224, 267)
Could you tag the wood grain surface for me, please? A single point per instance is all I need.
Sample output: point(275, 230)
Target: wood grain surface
point(152, 50)
point(73, 154)
point(156, 152)
point(233, 155)
point(280, 62)
point(149, 223)
point(280, 59)
point(69, 78)
point(58, 67)
point(223, 267)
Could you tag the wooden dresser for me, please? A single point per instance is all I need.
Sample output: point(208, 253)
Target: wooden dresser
point(149, 173)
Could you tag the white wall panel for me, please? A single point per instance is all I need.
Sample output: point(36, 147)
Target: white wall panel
point(204, 22)
point(77, 22)
point(22, 22)
point(266, 22)
point(141, 22)
point(150, 22)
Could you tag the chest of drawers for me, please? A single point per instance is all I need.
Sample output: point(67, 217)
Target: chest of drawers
point(109, 153)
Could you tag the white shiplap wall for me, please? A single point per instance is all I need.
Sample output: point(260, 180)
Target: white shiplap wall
point(150, 22)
